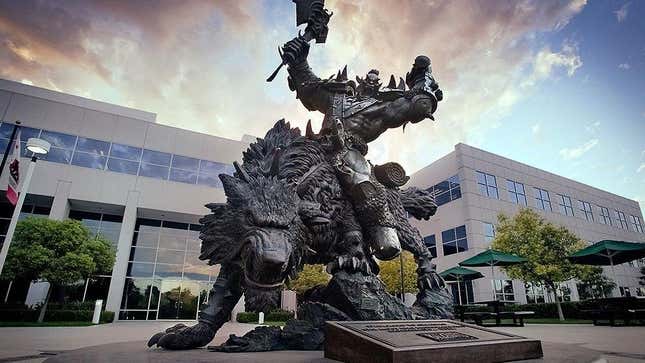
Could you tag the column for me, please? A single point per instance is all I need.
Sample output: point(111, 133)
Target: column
point(60, 205)
point(115, 293)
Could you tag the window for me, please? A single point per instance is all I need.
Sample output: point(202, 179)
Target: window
point(604, 216)
point(542, 200)
point(585, 208)
point(487, 185)
point(534, 293)
point(106, 225)
point(431, 243)
point(504, 290)
point(62, 146)
point(624, 291)
point(566, 207)
point(454, 240)
point(209, 173)
point(124, 159)
point(465, 292)
point(516, 192)
point(489, 231)
point(621, 221)
point(184, 169)
point(155, 164)
point(446, 191)
point(636, 223)
point(90, 153)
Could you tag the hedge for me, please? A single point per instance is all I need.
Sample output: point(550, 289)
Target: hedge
point(570, 309)
point(275, 315)
point(55, 312)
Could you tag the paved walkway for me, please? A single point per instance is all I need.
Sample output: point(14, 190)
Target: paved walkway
point(617, 344)
point(30, 342)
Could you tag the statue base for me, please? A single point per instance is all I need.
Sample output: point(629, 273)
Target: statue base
point(434, 341)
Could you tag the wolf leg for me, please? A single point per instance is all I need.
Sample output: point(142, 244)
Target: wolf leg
point(226, 292)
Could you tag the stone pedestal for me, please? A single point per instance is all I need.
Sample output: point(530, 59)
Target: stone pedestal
point(434, 341)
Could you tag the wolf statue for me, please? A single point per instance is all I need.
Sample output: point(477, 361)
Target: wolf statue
point(315, 199)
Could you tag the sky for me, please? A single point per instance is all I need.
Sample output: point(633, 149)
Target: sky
point(559, 85)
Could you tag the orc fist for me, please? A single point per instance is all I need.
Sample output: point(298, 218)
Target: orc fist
point(295, 51)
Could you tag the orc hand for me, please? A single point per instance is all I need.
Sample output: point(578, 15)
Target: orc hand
point(295, 51)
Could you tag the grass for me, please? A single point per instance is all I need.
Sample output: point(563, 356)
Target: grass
point(6, 324)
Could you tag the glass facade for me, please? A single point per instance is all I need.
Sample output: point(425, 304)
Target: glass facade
point(542, 199)
point(463, 289)
point(535, 293)
point(516, 193)
point(431, 243)
point(604, 216)
point(503, 290)
point(489, 231)
point(621, 221)
point(487, 185)
point(454, 240)
point(119, 158)
point(585, 208)
point(29, 209)
point(636, 224)
point(446, 191)
point(165, 278)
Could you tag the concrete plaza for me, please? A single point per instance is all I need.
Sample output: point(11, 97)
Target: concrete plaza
point(605, 344)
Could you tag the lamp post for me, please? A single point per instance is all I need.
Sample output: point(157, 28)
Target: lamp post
point(38, 147)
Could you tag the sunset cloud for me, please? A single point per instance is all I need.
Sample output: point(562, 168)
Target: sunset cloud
point(201, 65)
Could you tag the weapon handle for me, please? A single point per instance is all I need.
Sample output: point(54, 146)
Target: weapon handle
point(275, 73)
point(307, 36)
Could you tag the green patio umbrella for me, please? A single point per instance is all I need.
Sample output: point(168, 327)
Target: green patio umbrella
point(460, 274)
point(609, 253)
point(492, 258)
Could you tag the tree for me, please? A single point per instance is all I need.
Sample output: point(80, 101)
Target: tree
point(310, 276)
point(60, 252)
point(391, 274)
point(594, 284)
point(545, 246)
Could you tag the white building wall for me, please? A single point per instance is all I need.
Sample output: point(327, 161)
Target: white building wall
point(473, 209)
point(73, 185)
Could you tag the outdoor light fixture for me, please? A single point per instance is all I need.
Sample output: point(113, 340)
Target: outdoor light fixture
point(38, 146)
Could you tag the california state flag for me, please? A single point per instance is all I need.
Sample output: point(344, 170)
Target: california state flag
point(14, 172)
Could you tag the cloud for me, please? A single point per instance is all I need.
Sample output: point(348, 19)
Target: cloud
point(641, 168)
point(576, 152)
point(535, 129)
point(621, 13)
point(201, 64)
point(592, 128)
point(546, 61)
point(624, 66)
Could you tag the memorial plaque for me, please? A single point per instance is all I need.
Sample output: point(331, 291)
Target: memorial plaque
point(424, 341)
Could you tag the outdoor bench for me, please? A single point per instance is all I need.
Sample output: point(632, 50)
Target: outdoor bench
point(478, 316)
point(627, 309)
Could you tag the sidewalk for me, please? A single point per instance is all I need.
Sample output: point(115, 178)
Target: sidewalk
point(617, 344)
point(31, 342)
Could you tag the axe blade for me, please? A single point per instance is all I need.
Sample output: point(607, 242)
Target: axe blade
point(303, 11)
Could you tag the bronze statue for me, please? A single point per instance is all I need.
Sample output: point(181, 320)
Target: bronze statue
point(314, 199)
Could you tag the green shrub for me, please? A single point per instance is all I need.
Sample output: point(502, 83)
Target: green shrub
point(571, 309)
point(247, 317)
point(279, 315)
point(107, 316)
point(69, 315)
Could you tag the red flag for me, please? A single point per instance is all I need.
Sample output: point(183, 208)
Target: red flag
point(14, 172)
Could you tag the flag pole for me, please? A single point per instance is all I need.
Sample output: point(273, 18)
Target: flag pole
point(6, 152)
